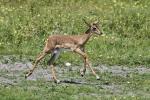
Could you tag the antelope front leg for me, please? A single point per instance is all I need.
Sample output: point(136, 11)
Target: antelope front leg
point(82, 71)
point(85, 57)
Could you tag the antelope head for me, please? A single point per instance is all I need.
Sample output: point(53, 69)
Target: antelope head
point(94, 27)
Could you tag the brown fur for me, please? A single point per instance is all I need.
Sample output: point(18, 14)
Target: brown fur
point(65, 40)
point(74, 42)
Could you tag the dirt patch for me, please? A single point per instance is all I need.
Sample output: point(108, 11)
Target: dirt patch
point(4, 81)
point(17, 69)
point(12, 73)
point(123, 70)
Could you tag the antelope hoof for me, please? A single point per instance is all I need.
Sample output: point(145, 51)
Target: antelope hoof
point(97, 77)
point(57, 81)
point(82, 72)
point(28, 74)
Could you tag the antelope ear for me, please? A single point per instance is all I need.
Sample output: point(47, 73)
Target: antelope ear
point(96, 22)
point(86, 23)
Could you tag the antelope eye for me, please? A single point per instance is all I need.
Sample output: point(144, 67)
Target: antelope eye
point(94, 28)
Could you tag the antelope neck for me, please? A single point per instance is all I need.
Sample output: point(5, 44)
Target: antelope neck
point(86, 36)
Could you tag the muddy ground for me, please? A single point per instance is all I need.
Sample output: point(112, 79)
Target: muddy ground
point(12, 71)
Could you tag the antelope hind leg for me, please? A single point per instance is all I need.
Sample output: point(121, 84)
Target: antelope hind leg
point(41, 56)
point(53, 58)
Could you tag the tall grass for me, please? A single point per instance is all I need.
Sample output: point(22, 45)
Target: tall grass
point(25, 24)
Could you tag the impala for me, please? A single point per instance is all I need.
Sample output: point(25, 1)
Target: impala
point(74, 43)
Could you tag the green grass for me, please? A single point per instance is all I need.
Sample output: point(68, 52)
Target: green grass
point(134, 87)
point(25, 25)
point(117, 83)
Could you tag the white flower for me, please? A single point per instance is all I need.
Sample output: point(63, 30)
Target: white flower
point(68, 64)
